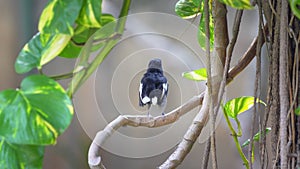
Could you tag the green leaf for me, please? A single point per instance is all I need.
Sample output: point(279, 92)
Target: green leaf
point(78, 40)
point(35, 114)
point(54, 47)
point(197, 75)
point(238, 4)
point(34, 54)
point(256, 137)
point(295, 7)
point(239, 105)
point(59, 16)
point(14, 156)
point(71, 50)
point(188, 8)
point(90, 14)
point(82, 34)
point(297, 111)
point(201, 32)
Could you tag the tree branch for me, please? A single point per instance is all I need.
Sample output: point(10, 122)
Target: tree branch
point(206, 155)
point(246, 58)
point(190, 136)
point(283, 83)
point(94, 158)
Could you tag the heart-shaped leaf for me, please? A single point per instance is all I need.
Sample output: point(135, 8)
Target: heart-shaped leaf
point(35, 53)
point(188, 8)
point(59, 16)
point(35, 114)
point(90, 14)
point(14, 156)
point(239, 105)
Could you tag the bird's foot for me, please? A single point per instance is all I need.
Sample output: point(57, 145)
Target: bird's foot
point(163, 114)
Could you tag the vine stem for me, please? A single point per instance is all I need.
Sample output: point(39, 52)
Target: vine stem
point(62, 76)
point(236, 141)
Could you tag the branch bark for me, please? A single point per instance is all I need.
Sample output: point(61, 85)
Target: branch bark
point(273, 97)
point(190, 136)
point(94, 158)
point(283, 83)
point(246, 58)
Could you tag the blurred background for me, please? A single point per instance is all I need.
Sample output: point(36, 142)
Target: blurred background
point(19, 21)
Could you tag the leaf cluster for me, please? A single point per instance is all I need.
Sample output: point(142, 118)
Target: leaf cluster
point(34, 115)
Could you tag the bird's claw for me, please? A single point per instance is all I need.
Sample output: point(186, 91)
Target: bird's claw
point(163, 114)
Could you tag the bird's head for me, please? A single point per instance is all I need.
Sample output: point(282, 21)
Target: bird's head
point(155, 64)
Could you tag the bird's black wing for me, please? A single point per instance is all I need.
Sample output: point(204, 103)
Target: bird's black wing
point(146, 86)
point(152, 81)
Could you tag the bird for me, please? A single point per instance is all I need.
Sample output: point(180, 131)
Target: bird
point(153, 89)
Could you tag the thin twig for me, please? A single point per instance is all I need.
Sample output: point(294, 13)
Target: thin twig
point(257, 88)
point(113, 36)
point(295, 81)
point(210, 86)
point(262, 123)
point(206, 155)
point(232, 43)
point(245, 59)
point(235, 32)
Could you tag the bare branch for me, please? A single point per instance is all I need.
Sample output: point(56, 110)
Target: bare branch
point(190, 136)
point(94, 158)
point(283, 83)
point(257, 88)
point(206, 155)
point(245, 59)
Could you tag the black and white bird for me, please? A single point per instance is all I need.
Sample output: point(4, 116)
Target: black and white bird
point(153, 89)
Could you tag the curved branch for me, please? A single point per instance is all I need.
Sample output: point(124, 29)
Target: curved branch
point(94, 158)
point(190, 136)
point(246, 58)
